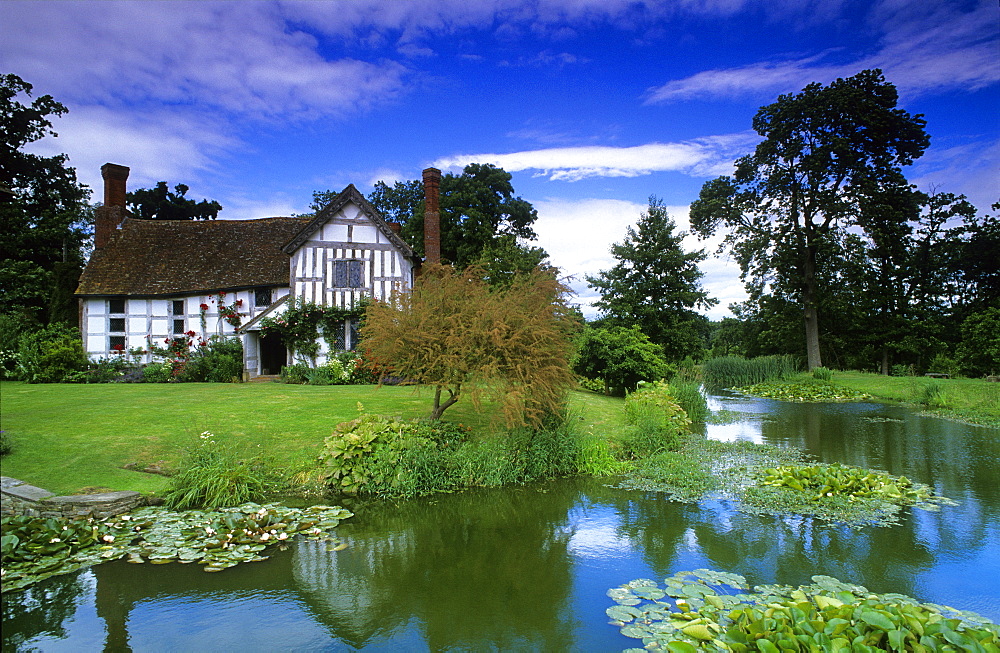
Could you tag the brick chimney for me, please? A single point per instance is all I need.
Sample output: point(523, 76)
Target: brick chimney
point(112, 214)
point(432, 216)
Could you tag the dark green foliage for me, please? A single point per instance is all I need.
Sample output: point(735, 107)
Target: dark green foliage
point(6, 446)
point(480, 217)
point(158, 203)
point(831, 159)
point(220, 360)
point(385, 457)
point(979, 352)
point(216, 475)
point(656, 285)
point(619, 356)
point(48, 221)
point(53, 354)
point(738, 372)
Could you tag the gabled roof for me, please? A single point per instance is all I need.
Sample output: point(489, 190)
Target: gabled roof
point(347, 196)
point(253, 325)
point(172, 257)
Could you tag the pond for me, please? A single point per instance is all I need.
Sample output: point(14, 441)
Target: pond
point(527, 568)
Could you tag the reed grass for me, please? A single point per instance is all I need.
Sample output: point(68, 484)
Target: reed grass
point(738, 372)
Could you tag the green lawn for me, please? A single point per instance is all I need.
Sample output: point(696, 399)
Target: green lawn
point(974, 400)
point(68, 436)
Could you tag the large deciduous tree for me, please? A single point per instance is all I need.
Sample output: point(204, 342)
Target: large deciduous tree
point(43, 209)
point(828, 154)
point(479, 214)
point(656, 285)
point(159, 203)
point(456, 333)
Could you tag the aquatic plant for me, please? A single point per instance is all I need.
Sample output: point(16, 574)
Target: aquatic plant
point(716, 611)
point(828, 480)
point(688, 396)
point(216, 475)
point(808, 391)
point(36, 548)
point(736, 371)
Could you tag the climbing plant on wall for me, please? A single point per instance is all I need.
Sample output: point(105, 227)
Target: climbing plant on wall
point(303, 323)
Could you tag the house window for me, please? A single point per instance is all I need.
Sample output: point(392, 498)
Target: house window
point(352, 328)
point(178, 307)
point(339, 340)
point(262, 297)
point(116, 306)
point(178, 327)
point(116, 325)
point(116, 344)
point(348, 274)
point(346, 338)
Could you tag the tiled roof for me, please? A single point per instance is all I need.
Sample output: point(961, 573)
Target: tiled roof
point(170, 257)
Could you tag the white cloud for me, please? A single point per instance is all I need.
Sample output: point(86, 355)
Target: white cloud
point(926, 48)
point(700, 157)
point(242, 58)
point(578, 235)
point(157, 146)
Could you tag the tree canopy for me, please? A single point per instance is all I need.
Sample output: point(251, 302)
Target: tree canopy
point(655, 285)
point(619, 356)
point(479, 213)
point(831, 159)
point(44, 215)
point(159, 203)
point(454, 332)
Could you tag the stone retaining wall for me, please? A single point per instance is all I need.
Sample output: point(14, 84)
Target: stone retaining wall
point(19, 498)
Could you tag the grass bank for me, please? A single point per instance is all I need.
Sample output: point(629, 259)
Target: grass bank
point(67, 437)
point(971, 400)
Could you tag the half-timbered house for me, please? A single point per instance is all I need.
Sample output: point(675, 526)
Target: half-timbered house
point(150, 281)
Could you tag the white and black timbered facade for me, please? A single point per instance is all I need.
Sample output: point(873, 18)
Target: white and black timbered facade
point(155, 280)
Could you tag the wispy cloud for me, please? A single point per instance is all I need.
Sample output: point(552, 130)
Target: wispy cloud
point(700, 157)
point(238, 57)
point(925, 49)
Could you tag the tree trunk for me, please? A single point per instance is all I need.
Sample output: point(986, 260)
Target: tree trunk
point(809, 308)
point(439, 408)
point(885, 361)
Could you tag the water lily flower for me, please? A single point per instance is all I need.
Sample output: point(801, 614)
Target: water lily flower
point(54, 539)
point(265, 537)
point(108, 538)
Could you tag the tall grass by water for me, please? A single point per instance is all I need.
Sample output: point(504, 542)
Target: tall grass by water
point(737, 372)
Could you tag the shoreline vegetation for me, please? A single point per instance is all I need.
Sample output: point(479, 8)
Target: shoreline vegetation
point(972, 401)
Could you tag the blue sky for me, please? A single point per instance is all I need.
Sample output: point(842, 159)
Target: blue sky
point(592, 105)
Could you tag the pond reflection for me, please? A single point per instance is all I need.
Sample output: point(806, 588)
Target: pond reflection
point(527, 568)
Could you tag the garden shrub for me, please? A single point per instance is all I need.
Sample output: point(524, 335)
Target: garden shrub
point(657, 421)
point(294, 373)
point(160, 372)
point(822, 374)
point(6, 446)
point(214, 475)
point(387, 457)
point(53, 354)
point(108, 370)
